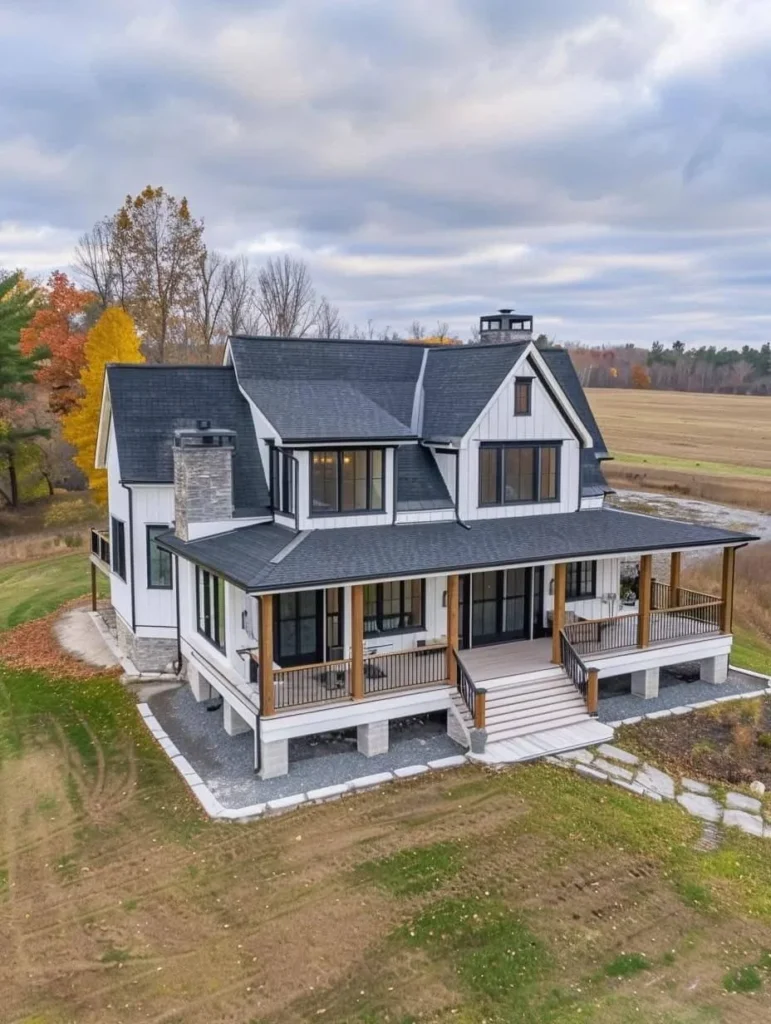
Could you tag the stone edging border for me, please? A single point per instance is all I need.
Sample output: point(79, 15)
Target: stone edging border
point(215, 809)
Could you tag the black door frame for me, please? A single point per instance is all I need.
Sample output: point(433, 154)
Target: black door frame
point(534, 608)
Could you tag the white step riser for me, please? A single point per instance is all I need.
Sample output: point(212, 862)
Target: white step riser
point(528, 730)
point(494, 700)
point(541, 721)
point(565, 700)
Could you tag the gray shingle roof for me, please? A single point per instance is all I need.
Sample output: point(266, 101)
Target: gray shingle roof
point(458, 383)
point(381, 552)
point(593, 482)
point(419, 484)
point(341, 386)
point(150, 402)
point(561, 365)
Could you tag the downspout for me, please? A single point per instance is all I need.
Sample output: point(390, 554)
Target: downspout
point(178, 662)
point(394, 484)
point(458, 519)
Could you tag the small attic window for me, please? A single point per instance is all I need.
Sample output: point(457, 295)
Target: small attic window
point(523, 396)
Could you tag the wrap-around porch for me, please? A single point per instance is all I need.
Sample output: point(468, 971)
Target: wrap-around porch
point(666, 615)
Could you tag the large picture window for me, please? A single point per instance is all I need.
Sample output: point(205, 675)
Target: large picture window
point(118, 547)
point(391, 607)
point(581, 581)
point(348, 480)
point(158, 561)
point(511, 474)
point(210, 606)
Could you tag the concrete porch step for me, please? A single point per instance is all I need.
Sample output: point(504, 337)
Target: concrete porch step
point(537, 726)
point(533, 721)
point(525, 678)
point(524, 693)
point(509, 712)
point(559, 740)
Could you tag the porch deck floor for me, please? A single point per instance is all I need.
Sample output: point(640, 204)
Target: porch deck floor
point(501, 661)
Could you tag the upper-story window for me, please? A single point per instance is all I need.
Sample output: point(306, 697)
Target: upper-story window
point(118, 547)
point(511, 474)
point(210, 606)
point(523, 396)
point(347, 480)
point(158, 561)
point(283, 471)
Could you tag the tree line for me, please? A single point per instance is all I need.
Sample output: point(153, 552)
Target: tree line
point(744, 371)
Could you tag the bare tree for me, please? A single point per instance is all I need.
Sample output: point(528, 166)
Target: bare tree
point(101, 261)
point(417, 331)
point(208, 297)
point(241, 313)
point(329, 323)
point(286, 299)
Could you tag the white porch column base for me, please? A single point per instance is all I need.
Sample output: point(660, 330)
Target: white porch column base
point(234, 723)
point(198, 686)
point(714, 670)
point(646, 683)
point(275, 758)
point(372, 739)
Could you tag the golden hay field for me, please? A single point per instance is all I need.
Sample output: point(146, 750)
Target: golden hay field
point(715, 447)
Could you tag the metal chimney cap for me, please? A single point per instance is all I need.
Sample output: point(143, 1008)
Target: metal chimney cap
point(505, 310)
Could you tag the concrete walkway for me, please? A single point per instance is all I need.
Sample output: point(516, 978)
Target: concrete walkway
point(77, 634)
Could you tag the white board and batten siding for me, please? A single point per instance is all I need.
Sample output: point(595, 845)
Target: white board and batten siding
point(156, 611)
point(118, 498)
point(498, 423)
point(602, 605)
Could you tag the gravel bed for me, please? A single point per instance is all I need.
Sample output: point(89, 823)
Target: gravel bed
point(226, 763)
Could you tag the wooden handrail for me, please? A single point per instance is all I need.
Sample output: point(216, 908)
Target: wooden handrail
point(712, 603)
point(407, 650)
point(619, 618)
point(309, 668)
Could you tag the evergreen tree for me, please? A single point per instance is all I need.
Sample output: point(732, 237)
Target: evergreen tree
point(112, 339)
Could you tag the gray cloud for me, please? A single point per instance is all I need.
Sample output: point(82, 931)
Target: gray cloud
point(602, 163)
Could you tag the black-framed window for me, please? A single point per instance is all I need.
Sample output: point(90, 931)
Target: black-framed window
point(393, 607)
point(523, 396)
point(118, 547)
point(581, 581)
point(159, 575)
point(210, 607)
point(347, 480)
point(512, 474)
point(283, 469)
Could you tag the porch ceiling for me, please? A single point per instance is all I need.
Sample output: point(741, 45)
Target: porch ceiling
point(257, 558)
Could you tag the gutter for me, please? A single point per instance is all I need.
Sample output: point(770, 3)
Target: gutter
point(178, 662)
point(131, 556)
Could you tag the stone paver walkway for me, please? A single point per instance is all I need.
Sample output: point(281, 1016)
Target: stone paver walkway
point(609, 763)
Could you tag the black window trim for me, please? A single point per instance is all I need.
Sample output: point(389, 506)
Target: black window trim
point(414, 628)
point(116, 548)
point(212, 615)
point(500, 447)
point(313, 514)
point(283, 481)
point(575, 594)
point(528, 383)
point(148, 543)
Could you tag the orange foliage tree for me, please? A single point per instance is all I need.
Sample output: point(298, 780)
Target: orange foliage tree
point(640, 377)
point(58, 325)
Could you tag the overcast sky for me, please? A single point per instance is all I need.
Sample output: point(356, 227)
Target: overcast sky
point(602, 164)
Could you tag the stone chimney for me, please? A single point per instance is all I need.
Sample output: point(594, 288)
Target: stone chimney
point(505, 326)
point(203, 476)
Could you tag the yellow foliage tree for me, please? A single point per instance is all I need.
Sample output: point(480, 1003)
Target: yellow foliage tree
point(112, 339)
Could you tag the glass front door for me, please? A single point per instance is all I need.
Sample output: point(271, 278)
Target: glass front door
point(298, 636)
point(500, 606)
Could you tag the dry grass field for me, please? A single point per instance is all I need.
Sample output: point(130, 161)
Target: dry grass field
point(714, 447)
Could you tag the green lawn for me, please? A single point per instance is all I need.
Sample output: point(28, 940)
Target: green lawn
point(690, 465)
point(30, 590)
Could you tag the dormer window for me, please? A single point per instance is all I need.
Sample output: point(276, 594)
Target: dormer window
point(523, 396)
point(347, 480)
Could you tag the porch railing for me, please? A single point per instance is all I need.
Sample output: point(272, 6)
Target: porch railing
point(688, 620)
point(100, 545)
point(663, 596)
point(573, 664)
point(472, 696)
point(311, 684)
point(594, 636)
point(330, 681)
point(400, 670)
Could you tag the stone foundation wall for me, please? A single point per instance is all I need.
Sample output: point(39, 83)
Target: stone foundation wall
point(149, 654)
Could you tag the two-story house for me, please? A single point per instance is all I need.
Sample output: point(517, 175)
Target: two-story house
point(336, 534)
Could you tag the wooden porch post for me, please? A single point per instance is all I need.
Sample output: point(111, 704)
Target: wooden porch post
point(93, 587)
point(592, 691)
point(727, 590)
point(644, 605)
point(452, 625)
point(558, 614)
point(480, 709)
point(674, 580)
point(357, 642)
point(267, 694)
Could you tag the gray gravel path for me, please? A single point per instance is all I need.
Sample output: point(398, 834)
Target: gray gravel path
point(673, 693)
point(226, 763)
